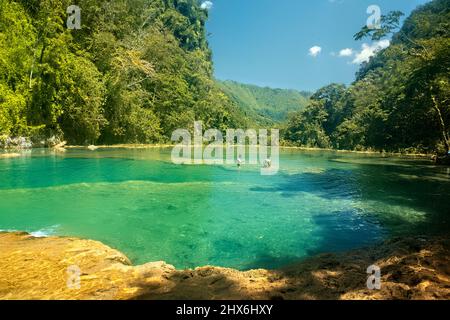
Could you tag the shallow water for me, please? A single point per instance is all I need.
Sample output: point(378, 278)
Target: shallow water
point(137, 201)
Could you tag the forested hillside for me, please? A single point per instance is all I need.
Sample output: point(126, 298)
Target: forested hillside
point(266, 106)
point(400, 99)
point(137, 70)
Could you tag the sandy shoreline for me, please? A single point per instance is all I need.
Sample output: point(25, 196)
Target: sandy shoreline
point(37, 268)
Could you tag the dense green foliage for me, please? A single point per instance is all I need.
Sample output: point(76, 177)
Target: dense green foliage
point(137, 70)
point(400, 100)
point(265, 105)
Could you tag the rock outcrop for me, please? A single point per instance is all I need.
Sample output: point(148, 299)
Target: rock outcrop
point(15, 142)
point(39, 141)
point(70, 268)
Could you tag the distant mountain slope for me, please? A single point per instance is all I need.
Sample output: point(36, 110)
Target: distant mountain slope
point(264, 105)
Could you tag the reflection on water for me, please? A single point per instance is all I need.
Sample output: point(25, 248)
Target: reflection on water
point(137, 201)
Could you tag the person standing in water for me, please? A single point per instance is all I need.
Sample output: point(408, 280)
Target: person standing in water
point(239, 161)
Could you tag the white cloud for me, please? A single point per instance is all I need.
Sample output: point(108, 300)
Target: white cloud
point(368, 51)
point(315, 51)
point(206, 5)
point(346, 52)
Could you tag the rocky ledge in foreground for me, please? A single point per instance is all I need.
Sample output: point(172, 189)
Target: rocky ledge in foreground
point(43, 268)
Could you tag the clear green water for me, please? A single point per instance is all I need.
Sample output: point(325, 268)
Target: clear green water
point(140, 203)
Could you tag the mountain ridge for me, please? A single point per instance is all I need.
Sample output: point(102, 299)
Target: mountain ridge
point(265, 105)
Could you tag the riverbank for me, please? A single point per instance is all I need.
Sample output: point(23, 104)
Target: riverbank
point(153, 146)
point(284, 147)
point(368, 152)
point(37, 268)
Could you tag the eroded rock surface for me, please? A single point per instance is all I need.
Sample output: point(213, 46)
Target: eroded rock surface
point(42, 268)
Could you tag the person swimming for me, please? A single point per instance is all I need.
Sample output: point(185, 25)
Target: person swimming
point(267, 163)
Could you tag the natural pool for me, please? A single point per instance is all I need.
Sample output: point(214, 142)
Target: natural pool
point(138, 202)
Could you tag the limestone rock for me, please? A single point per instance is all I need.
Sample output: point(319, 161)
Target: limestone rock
point(48, 268)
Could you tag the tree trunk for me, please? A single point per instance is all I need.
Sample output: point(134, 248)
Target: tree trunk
point(445, 137)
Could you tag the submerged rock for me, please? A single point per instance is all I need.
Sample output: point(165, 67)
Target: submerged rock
point(70, 268)
point(53, 141)
point(9, 155)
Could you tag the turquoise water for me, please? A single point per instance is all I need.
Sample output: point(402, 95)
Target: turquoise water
point(137, 201)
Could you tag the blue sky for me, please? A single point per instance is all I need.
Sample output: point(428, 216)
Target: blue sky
point(296, 44)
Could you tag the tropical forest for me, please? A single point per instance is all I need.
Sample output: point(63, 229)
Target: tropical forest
point(225, 150)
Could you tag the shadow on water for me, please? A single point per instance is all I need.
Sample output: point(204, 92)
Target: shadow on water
point(379, 202)
point(330, 184)
point(338, 232)
point(403, 199)
point(264, 258)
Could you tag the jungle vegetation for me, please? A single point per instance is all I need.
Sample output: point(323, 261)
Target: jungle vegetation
point(139, 69)
point(400, 98)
